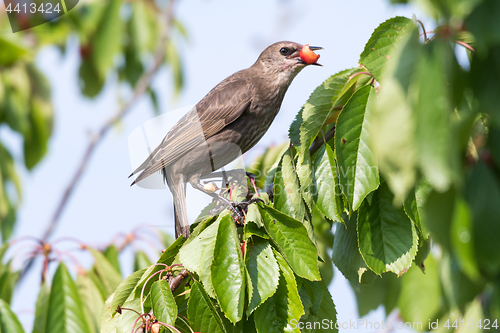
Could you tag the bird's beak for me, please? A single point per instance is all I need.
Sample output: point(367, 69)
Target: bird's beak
point(296, 54)
point(315, 48)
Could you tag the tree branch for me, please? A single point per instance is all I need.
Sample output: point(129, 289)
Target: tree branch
point(318, 142)
point(177, 281)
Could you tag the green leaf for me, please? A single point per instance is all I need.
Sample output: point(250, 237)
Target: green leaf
point(433, 113)
point(202, 313)
point(483, 24)
point(228, 270)
point(294, 130)
point(141, 260)
point(8, 280)
point(125, 289)
point(345, 254)
point(141, 34)
point(458, 288)
point(167, 258)
point(414, 205)
point(319, 107)
point(197, 256)
point(92, 301)
point(16, 99)
point(287, 191)
point(326, 314)
point(90, 81)
point(65, 312)
point(461, 239)
point(438, 212)
point(328, 198)
point(106, 41)
point(122, 323)
point(252, 229)
point(482, 193)
point(393, 126)
point(387, 238)
point(126, 320)
point(307, 182)
point(310, 295)
point(377, 52)
point(111, 253)
point(40, 119)
point(483, 78)
point(293, 241)
point(358, 169)
point(42, 308)
point(8, 320)
point(383, 291)
point(420, 296)
point(163, 303)
point(106, 272)
point(284, 307)
point(262, 272)
point(171, 252)
point(40, 128)
point(271, 171)
point(253, 215)
point(11, 51)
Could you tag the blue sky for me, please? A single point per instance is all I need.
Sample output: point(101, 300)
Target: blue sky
point(224, 37)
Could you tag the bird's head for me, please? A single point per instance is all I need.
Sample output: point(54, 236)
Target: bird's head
point(283, 59)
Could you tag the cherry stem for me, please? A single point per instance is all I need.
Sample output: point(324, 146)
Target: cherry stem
point(185, 321)
point(423, 33)
point(129, 309)
point(27, 238)
point(467, 46)
point(423, 29)
point(135, 322)
point(149, 278)
point(169, 326)
point(67, 239)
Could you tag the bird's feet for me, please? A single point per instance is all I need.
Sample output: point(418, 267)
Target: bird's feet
point(246, 203)
point(251, 176)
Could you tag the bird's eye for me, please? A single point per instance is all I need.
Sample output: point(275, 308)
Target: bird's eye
point(285, 51)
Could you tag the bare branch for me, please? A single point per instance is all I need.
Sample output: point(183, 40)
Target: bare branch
point(177, 281)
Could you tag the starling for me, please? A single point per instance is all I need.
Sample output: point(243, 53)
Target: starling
point(226, 123)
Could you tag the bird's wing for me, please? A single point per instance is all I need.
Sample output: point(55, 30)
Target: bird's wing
point(220, 107)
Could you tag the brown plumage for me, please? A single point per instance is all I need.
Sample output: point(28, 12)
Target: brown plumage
point(227, 122)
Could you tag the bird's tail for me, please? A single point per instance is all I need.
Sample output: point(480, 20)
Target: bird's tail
point(180, 211)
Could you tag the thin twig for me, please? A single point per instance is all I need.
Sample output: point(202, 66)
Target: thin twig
point(139, 90)
point(177, 281)
point(318, 142)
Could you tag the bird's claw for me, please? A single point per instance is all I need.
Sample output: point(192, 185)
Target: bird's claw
point(246, 203)
point(251, 175)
